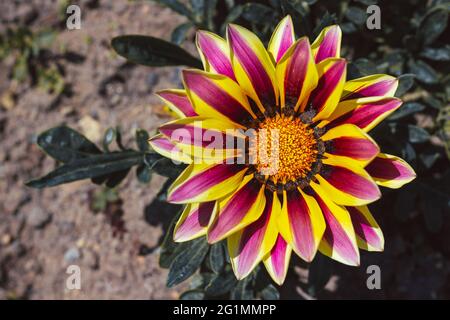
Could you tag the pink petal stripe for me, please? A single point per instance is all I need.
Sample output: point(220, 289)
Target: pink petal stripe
point(278, 257)
point(165, 144)
point(329, 46)
point(235, 210)
point(215, 96)
point(365, 114)
point(389, 169)
point(357, 148)
point(296, 72)
point(182, 102)
point(195, 222)
point(252, 239)
point(214, 55)
point(301, 226)
point(286, 41)
point(351, 183)
point(253, 67)
point(363, 229)
point(204, 180)
point(377, 89)
point(336, 236)
point(326, 85)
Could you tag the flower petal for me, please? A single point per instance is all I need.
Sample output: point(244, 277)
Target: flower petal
point(253, 67)
point(327, 44)
point(238, 210)
point(282, 38)
point(217, 96)
point(339, 240)
point(201, 182)
point(248, 246)
point(178, 102)
point(368, 233)
point(325, 97)
point(390, 171)
point(168, 149)
point(208, 140)
point(364, 113)
point(277, 262)
point(370, 86)
point(301, 223)
point(194, 221)
point(297, 74)
point(347, 184)
point(215, 53)
point(349, 143)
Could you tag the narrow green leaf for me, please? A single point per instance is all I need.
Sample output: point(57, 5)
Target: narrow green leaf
point(437, 54)
point(91, 167)
point(407, 109)
point(176, 6)
point(424, 73)
point(432, 26)
point(356, 15)
point(270, 293)
point(187, 262)
point(417, 134)
point(192, 295)
point(405, 82)
point(154, 52)
point(142, 140)
point(220, 285)
point(216, 257)
point(179, 33)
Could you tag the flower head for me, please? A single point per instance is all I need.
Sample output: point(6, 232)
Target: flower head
point(302, 180)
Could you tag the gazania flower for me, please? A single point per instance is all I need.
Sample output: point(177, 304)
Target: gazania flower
point(327, 167)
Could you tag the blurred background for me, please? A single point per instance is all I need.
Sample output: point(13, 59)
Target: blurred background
point(50, 75)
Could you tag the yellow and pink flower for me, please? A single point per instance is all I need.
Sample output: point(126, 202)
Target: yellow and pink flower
point(328, 167)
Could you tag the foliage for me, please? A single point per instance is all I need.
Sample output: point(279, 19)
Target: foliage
point(409, 45)
point(31, 58)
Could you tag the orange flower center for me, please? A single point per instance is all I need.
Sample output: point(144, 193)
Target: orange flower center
point(286, 148)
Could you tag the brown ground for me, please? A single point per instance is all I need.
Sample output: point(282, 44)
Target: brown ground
point(44, 231)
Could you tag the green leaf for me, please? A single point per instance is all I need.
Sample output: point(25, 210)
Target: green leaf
point(424, 73)
point(154, 52)
point(405, 82)
point(437, 54)
point(242, 291)
point(210, 11)
point(144, 173)
point(270, 293)
point(180, 33)
point(257, 12)
point(176, 6)
point(356, 15)
point(432, 26)
point(187, 262)
point(192, 295)
point(142, 140)
point(220, 285)
point(407, 109)
point(216, 257)
point(233, 15)
point(90, 167)
point(66, 145)
point(170, 248)
point(417, 134)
